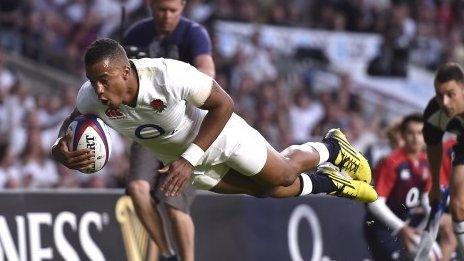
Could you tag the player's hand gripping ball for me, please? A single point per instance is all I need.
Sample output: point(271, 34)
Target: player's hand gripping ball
point(90, 132)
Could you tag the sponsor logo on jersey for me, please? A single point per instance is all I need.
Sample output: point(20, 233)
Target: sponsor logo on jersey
point(114, 114)
point(158, 105)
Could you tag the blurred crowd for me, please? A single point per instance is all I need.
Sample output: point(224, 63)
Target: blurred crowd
point(428, 31)
point(29, 126)
point(285, 108)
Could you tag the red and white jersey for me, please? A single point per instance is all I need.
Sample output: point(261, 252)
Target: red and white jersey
point(163, 119)
point(403, 182)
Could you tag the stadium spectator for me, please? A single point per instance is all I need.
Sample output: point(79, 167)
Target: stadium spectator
point(50, 114)
point(334, 115)
point(8, 123)
point(110, 12)
point(361, 134)
point(419, 26)
point(10, 174)
point(38, 171)
point(389, 139)
point(67, 178)
point(10, 19)
point(305, 113)
point(7, 78)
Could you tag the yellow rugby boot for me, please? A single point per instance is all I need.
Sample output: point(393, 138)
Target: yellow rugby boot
point(346, 187)
point(348, 158)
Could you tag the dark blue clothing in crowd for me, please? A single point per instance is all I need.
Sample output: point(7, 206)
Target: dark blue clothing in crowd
point(188, 40)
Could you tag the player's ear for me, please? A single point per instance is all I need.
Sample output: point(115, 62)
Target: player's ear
point(126, 72)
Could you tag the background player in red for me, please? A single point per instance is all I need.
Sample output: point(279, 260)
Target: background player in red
point(402, 182)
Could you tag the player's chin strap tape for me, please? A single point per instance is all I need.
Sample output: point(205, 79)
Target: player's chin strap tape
point(193, 154)
point(56, 142)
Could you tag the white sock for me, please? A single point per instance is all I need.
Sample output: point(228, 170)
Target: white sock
point(320, 148)
point(307, 185)
point(458, 228)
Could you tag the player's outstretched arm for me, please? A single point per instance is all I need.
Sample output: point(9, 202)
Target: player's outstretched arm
point(220, 107)
point(60, 151)
point(434, 154)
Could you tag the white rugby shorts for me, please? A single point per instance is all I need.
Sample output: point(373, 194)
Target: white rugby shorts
point(239, 146)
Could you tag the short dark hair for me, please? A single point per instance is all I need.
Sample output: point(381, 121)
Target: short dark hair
point(449, 72)
point(414, 117)
point(103, 48)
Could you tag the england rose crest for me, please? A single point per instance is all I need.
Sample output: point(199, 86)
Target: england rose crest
point(158, 105)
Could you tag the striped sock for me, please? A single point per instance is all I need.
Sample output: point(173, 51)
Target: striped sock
point(314, 183)
point(333, 147)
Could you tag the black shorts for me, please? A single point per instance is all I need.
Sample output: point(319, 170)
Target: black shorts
point(144, 166)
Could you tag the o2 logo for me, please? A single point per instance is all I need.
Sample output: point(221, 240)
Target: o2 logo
point(304, 212)
point(149, 131)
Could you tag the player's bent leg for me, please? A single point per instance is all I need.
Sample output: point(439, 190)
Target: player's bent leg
point(272, 171)
point(325, 180)
point(253, 154)
point(457, 204)
point(139, 191)
point(282, 169)
point(184, 232)
point(296, 159)
point(235, 183)
point(297, 162)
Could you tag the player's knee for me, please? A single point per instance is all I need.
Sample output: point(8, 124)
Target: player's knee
point(138, 190)
point(287, 181)
point(457, 209)
point(290, 150)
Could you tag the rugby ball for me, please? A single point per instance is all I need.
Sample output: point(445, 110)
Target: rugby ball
point(90, 132)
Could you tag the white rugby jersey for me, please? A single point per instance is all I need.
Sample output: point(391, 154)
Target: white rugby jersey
point(163, 119)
